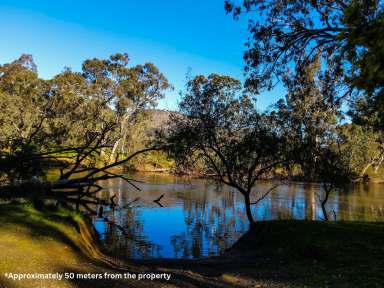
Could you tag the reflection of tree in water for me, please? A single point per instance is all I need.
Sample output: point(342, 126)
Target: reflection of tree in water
point(124, 236)
point(123, 231)
point(361, 202)
point(214, 218)
point(212, 225)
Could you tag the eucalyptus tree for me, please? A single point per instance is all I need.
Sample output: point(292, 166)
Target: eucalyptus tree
point(75, 112)
point(310, 117)
point(220, 126)
point(73, 116)
point(346, 34)
point(127, 90)
point(345, 39)
point(309, 114)
point(43, 115)
point(362, 149)
point(341, 31)
point(22, 99)
point(22, 103)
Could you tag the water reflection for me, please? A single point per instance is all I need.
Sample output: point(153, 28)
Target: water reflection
point(200, 219)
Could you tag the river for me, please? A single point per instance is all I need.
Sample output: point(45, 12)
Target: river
point(196, 218)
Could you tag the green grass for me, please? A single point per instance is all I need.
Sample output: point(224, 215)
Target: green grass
point(39, 241)
point(317, 254)
point(48, 241)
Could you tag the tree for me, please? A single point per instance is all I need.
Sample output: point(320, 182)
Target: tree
point(345, 38)
point(222, 128)
point(73, 116)
point(362, 148)
point(331, 172)
point(309, 115)
point(128, 90)
point(347, 34)
point(23, 103)
point(22, 99)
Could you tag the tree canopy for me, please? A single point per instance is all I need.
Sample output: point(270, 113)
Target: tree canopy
point(73, 111)
point(284, 33)
point(221, 127)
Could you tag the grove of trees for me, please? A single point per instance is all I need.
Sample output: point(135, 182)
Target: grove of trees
point(76, 122)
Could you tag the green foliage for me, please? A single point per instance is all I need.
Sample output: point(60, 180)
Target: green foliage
point(346, 35)
point(365, 46)
point(309, 117)
point(73, 110)
point(21, 101)
point(221, 128)
point(298, 30)
point(360, 147)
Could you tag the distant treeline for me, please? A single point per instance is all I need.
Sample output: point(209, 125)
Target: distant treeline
point(72, 107)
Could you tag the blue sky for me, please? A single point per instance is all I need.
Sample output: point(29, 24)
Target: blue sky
point(177, 36)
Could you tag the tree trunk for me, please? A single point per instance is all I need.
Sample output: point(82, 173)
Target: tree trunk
point(323, 204)
point(114, 149)
point(123, 134)
point(247, 203)
point(378, 164)
point(365, 169)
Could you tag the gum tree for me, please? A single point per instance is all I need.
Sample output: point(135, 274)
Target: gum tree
point(72, 117)
point(220, 127)
point(346, 35)
point(310, 117)
point(128, 90)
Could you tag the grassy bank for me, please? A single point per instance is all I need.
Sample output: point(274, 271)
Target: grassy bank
point(282, 254)
point(52, 241)
point(316, 254)
point(300, 254)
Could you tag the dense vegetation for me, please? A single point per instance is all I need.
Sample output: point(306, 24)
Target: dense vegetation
point(82, 123)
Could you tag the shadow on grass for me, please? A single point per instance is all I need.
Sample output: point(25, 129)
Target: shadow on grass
point(38, 223)
point(178, 279)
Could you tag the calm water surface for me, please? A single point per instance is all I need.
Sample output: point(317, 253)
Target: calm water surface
point(200, 219)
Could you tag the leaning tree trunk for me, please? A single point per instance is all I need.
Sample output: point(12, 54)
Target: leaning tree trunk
point(120, 142)
point(362, 173)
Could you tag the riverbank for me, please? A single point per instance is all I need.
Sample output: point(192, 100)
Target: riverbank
point(283, 254)
point(52, 242)
point(317, 254)
point(297, 254)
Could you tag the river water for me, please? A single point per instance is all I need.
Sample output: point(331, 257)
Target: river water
point(196, 218)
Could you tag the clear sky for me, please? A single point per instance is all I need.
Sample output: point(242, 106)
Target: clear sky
point(176, 35)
